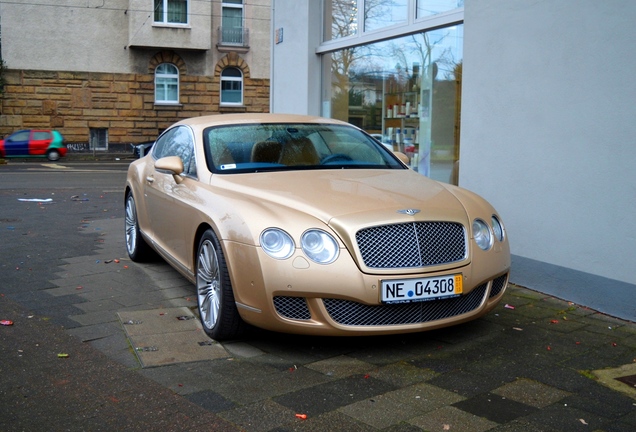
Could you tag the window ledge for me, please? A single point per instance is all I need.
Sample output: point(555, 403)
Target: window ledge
point(167, 105)
point(241, 49)
point(232, 108)
point(172, 25)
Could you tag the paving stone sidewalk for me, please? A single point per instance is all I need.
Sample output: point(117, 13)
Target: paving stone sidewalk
point(535, 363)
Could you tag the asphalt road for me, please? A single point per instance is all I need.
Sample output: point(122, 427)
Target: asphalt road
point(533, 364)
point(44, 211)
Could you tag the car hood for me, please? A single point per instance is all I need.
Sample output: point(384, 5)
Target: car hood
point(345, 199)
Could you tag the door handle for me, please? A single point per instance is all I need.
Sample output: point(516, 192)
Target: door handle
point(150, 179)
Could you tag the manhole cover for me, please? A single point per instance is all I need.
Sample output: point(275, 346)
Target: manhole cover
point(622, 379)
point(629, 380)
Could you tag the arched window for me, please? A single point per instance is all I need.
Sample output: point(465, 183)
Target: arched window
point(166, 84)
point(231, 86)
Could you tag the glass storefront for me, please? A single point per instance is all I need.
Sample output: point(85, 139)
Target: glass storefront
point(433, 7)
point(406, 91)
point(380, 14)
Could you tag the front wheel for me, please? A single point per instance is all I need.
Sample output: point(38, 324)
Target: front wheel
point(137, 248)
point(217, 310)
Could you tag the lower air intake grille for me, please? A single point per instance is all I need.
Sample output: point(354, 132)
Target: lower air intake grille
point(351, 313)
point(292, 307)
point(498, 285)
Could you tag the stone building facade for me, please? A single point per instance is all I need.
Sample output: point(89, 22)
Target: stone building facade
point(113, 105)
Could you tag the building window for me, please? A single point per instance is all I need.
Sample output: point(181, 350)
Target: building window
point(350, 18)
point(98, 138)
point(427, 8)
point(232, 22)
point(231, 86)
point(341, 19)
point(378, 15)
point(171, 11)
point(166, 84)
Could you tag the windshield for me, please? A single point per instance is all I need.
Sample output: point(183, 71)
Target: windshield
point(278, 147)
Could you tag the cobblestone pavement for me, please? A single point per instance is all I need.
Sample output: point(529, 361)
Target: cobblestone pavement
point(73, 360)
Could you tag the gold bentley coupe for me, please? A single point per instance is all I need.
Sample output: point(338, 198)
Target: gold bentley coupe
point(309, 225)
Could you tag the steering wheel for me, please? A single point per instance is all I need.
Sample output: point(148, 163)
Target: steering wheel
point(336, 157)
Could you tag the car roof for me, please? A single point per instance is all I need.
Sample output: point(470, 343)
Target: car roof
point(250, 118)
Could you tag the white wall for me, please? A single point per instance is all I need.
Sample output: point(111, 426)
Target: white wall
point(548, 128)
point(295, 72)
point(65, 36)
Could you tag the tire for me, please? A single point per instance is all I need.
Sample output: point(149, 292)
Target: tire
point(53, 155)
point(137, 248)
point(215, 298)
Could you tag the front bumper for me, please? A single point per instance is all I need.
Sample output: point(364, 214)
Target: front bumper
point(298, 296)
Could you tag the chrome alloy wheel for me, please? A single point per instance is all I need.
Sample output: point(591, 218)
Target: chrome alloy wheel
point(208, 285)
point(131, 225)
point(137, 248)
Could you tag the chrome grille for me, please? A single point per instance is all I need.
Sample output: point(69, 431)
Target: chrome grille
point(416, 244)
point(351, 313)
point(292, 307)
point(498, 285)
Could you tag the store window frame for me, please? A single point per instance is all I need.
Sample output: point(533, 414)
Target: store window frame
point(414, 26)
point(232, 84)
point(171, 13)
point(166, 82)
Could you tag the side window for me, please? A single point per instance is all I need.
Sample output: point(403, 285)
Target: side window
point(20, 136)
point(231, 86)
point(166, 84)
point(177, 141)
point(41, 135)
point(171, 11)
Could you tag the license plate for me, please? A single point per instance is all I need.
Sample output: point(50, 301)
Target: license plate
point(421, 289)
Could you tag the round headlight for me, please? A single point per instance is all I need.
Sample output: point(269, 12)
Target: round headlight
point(277, 243)
point(481, 234)
point(319, 246)
point(497, 227)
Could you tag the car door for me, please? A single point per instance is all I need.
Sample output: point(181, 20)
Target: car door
point(39, 142)
point(170, 203)
point(17, 144)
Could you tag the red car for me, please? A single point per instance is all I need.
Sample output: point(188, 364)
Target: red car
point(33, 143)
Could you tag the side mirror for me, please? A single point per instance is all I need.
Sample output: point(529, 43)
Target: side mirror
point(402, 157)
point(173, 165)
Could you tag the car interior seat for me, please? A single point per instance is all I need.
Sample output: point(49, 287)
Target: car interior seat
point(299, 151)
point(266, 151)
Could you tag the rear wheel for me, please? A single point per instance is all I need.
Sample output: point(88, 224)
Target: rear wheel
point(53, 155)
point(137, 248)
point(215, 298)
